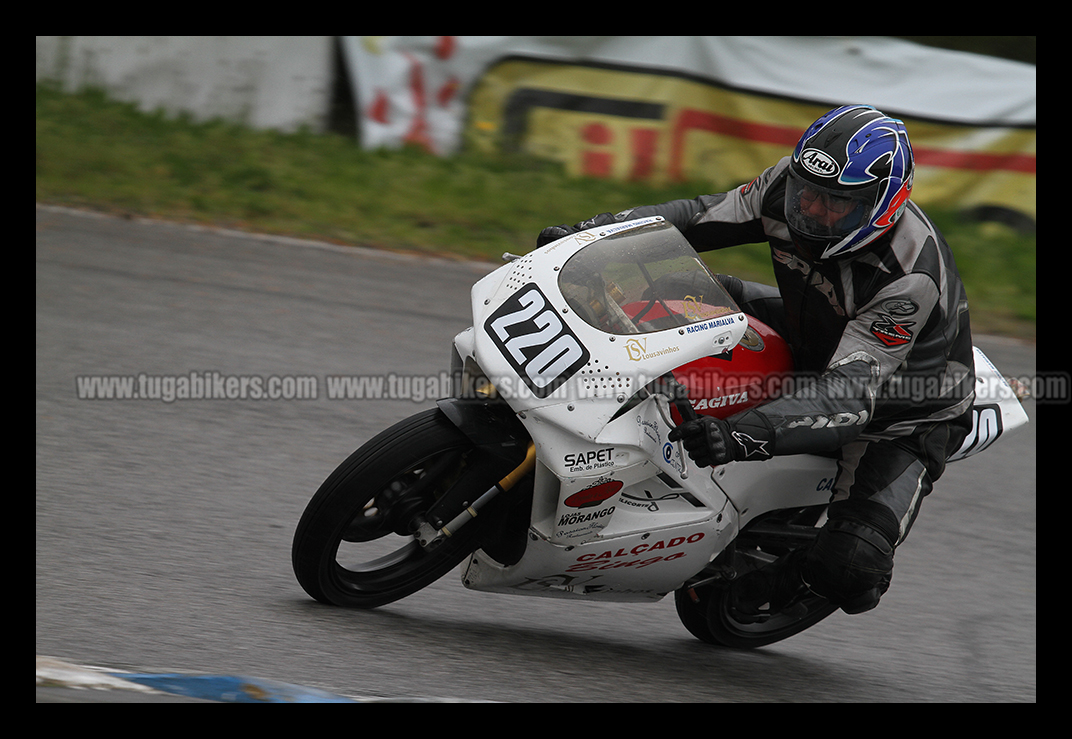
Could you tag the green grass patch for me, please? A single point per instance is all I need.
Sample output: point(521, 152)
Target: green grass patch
point(96, 153)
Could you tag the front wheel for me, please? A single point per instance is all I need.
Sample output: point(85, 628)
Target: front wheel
point(353, 546)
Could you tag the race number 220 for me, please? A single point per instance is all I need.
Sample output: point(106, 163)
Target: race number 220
point(535, 341)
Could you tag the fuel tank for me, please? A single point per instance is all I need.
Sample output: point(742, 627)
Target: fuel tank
point(751, 373)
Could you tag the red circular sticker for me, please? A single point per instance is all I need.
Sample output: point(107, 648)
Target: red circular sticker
point(594, 495)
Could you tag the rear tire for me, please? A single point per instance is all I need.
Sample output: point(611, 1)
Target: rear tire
point(706, 611)
point(353, 545)
point(710, 619)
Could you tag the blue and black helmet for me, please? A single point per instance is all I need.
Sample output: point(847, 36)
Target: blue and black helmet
point(849, 181)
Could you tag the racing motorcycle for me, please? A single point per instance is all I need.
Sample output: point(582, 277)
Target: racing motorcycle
point(549, 472)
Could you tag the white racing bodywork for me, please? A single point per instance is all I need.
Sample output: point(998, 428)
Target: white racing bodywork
point(619, 512)
point(995, 411)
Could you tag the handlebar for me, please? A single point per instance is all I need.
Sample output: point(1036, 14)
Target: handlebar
point(678, 395)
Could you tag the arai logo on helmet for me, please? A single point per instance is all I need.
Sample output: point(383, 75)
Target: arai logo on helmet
point(819, 163)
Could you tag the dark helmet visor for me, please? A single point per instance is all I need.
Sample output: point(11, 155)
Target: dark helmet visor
point(827, 213)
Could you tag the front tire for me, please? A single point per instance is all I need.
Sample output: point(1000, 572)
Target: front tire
point(353, 545)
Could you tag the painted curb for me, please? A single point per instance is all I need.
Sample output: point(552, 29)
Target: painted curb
point(56, 673)
point(232, 688)
point(108, 685)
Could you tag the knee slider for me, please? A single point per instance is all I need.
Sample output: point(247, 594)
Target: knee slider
point(851, 564)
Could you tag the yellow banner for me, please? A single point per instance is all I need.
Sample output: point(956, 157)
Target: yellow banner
point(627, 124)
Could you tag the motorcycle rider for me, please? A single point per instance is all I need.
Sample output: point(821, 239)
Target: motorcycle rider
point(871, 303)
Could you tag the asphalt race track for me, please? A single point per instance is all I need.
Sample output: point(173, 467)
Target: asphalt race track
point(164, 528)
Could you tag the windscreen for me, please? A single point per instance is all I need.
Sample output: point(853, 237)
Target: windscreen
point(641, 280)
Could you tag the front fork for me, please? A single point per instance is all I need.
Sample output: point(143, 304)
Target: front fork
point(498, 437)
point(429, 537)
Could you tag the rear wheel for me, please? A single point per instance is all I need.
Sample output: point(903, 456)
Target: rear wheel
point(706, 610)
point(707, 615)
point(354, 545)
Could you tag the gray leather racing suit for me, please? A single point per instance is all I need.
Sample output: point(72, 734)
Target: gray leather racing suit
point(884, 337)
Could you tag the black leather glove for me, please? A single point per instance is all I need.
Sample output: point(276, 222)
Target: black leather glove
point(554, 233)
point(712, 441)
point(706, 440)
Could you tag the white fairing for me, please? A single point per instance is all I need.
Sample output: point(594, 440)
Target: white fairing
point(547, 336)
point(996, 409)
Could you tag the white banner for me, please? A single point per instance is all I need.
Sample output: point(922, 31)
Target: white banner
point(414, 87)
point(718, 108)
